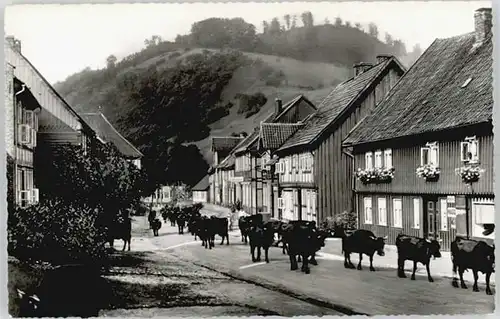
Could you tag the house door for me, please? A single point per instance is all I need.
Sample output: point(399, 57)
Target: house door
point(431, 215)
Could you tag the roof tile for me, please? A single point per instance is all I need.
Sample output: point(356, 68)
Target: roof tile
point(430, 97)
point(273, 135)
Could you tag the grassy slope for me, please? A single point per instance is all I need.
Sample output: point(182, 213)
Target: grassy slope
point(313, 79)
point(299, 75)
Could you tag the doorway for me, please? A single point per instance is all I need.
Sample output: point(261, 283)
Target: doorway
point(431, 216)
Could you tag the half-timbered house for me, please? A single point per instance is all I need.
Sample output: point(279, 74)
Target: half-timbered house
point(425, 155)
point(315, 175)
point(249, 166)
point(221, 148)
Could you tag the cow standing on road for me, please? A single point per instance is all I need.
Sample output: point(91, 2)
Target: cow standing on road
point(151, 218)
point(219, 226)
point(156, 225)
point(474, 255)
point(261, 236)
point(203, 231)
point(246, 222)
point(418, 250)
point(362, 241)
point(304, 240)
point(181, 222)
point(121, 230)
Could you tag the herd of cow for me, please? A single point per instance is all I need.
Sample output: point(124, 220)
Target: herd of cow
point(301, 240)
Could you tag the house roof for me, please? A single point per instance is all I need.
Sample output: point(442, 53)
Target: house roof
point(202, 185)
point(338, 101)
point(225, 144)
point(273, 135)
point(228, 162)
point(252, 139)
point(106, 132)
point(434, 94)
point(247, 142)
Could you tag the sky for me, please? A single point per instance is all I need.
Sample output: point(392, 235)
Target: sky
point(64, 39)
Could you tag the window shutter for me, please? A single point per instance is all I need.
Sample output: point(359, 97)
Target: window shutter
point(424, 156)
point(388, 158)
point(464, 151)
point(444, 214)
point(368, 160)
point(378, 159)
point(416, 213)
point(474, 149)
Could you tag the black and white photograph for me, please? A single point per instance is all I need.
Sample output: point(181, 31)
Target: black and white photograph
point(250, 159)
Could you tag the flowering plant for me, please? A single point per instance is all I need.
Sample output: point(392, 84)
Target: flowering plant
point(428, 171)
point(469, 174)
point(375, 175)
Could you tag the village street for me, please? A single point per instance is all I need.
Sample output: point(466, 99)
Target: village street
point(152, 281)
point(329, 286)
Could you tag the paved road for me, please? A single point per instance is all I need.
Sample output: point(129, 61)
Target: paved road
point(151, 281)
point(373, 293)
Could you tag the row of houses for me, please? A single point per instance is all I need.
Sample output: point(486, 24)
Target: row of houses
point(409, 151)
point(37, 119)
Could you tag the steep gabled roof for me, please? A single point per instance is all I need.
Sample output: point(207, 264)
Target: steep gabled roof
point(228, 162)
point(273, 135)
point(106, 132)
point(225, 144)
point(336, 103)
point(202, 185)
point(247, 142)
point(435, 94)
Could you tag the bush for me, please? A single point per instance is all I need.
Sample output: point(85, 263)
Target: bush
point(346, 220)
point(250, 104)
point(57, 232)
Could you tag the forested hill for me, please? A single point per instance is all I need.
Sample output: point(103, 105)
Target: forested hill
point(221, 78)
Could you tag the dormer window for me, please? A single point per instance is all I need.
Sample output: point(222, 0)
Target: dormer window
point(429, 155)
point(469, 150)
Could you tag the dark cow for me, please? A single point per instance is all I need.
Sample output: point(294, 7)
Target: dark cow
point(66, 291)
point(291, 223)
point(203, 230)
point(277, 227)
point(418, 250)
point(362, 241)
point(193, 225)
point(121, 230)
point(181, 222)
point(304, 240)
point(219, 226)
point(151, 218)
point(156, 225)
point(245, 222)
point(474, 255)
point(261, 236)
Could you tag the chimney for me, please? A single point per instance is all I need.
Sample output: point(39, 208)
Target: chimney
point(482, 24)
point(383, 57)
point(279, 106)
point(361, 67)
point(14, 43)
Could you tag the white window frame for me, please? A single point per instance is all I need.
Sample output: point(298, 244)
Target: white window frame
point(443, 211)
point(433, 154)
point(388, 158)
point(472, 145)
point(368, 210)
point(416, 213)
point(397, 212)
point(368, 160)
point(382, 211)
point(378, 159)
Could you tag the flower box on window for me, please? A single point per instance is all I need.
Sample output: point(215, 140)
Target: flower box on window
point(375, 175)
point(469, 173)
point(428, 172)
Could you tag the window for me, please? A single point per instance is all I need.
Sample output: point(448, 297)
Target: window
point(388, 158)
point(369, 160)
point(382, 212)
point(444, 214)
point(483, 213)
point(378, 159)
point(429, 155)
point(416, 213)
point(368, 210)
point(470, 150)
point(397, 212)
